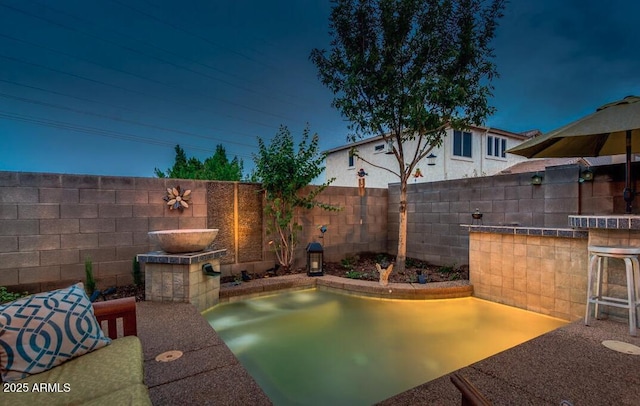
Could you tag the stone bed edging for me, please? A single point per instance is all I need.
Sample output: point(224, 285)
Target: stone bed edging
point(412, 291)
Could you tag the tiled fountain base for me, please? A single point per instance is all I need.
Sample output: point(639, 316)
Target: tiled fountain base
point(179, 277)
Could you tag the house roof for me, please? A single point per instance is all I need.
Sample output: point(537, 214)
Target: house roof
point(539, 164)
point(531, 133)
point(519, 136)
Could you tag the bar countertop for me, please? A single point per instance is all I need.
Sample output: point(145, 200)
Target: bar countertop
point(611, 222)
point(523, 230)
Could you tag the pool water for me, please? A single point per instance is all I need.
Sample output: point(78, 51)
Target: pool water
point(315, 347)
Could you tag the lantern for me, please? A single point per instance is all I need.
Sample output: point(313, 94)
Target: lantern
point(431, 160)
point(314, 259)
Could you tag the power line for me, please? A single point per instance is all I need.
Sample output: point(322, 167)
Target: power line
point(207, 40)
point(112, 85)
point(135, 51)
point(122, 120)
point(83, 99)
point(191, 106)
point(104, 28)
point(61, 125)
point(257, 51)
point(203, 38)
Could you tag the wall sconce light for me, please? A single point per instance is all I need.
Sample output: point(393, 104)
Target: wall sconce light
point(431, 160)
point(537, 179)
point(361, 184)
point(586, 175)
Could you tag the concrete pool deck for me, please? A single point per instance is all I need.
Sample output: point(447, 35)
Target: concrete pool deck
point(569, 364)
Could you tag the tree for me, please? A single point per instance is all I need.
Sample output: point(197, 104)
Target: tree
point(285, 174)
point(216, 167)
point(407, 70)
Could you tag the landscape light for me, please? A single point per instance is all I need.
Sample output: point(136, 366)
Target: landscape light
point(314, 259)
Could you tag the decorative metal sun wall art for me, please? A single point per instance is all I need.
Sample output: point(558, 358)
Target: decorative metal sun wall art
point(177, 198)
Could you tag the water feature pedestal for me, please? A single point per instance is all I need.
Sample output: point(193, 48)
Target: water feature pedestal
point(179, 277)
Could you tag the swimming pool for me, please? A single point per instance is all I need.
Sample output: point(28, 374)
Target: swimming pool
point(314, 347)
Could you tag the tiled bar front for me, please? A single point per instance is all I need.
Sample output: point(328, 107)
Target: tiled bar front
point(538, 269)
point(545, 269)
point(179, 277)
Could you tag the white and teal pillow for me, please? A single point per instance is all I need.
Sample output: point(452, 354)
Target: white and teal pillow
point(44, 330)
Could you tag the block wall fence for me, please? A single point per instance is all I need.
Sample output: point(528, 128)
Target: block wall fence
point(50, 223)
point(436, 210)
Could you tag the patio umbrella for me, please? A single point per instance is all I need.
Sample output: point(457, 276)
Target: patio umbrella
point(608, 131)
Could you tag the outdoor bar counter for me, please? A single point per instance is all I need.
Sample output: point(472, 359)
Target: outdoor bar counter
point(543, 269)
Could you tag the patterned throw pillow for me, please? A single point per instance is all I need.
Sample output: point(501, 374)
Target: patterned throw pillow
point(44, 330)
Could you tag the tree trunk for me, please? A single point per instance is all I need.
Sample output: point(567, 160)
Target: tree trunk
point(402, 231)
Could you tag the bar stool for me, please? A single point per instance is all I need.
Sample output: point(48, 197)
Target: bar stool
point(594, 288)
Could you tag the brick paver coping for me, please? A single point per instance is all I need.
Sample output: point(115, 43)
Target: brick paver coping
point(259, 287)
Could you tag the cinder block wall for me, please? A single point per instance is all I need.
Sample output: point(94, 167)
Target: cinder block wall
point(436, 210)
point(361, 225)
point(604, 194)
point(50, 223)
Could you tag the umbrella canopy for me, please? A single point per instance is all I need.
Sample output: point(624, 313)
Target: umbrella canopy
point(601, 133)
point(608, 131)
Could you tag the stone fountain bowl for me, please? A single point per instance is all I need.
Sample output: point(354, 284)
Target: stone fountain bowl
point(186, 240)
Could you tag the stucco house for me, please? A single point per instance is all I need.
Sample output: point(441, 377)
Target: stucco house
point(476, 151)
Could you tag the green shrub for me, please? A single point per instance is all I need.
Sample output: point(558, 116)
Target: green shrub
point(415, 263)
point(6, 296)
point(381, 258)
point(90, 283)
point(137, 273)
point(348, 262)
point(411, 262)
point(447, 268)
point(353, 274)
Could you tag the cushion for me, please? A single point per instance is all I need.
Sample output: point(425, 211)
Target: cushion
point(44, 330)
point(95, 375)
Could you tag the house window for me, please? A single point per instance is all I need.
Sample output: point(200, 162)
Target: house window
point(351, 160)
point(379, 148)
point(462, 143)
point(496, 146)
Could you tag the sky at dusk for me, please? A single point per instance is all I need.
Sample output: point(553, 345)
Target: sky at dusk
point(109, 87)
